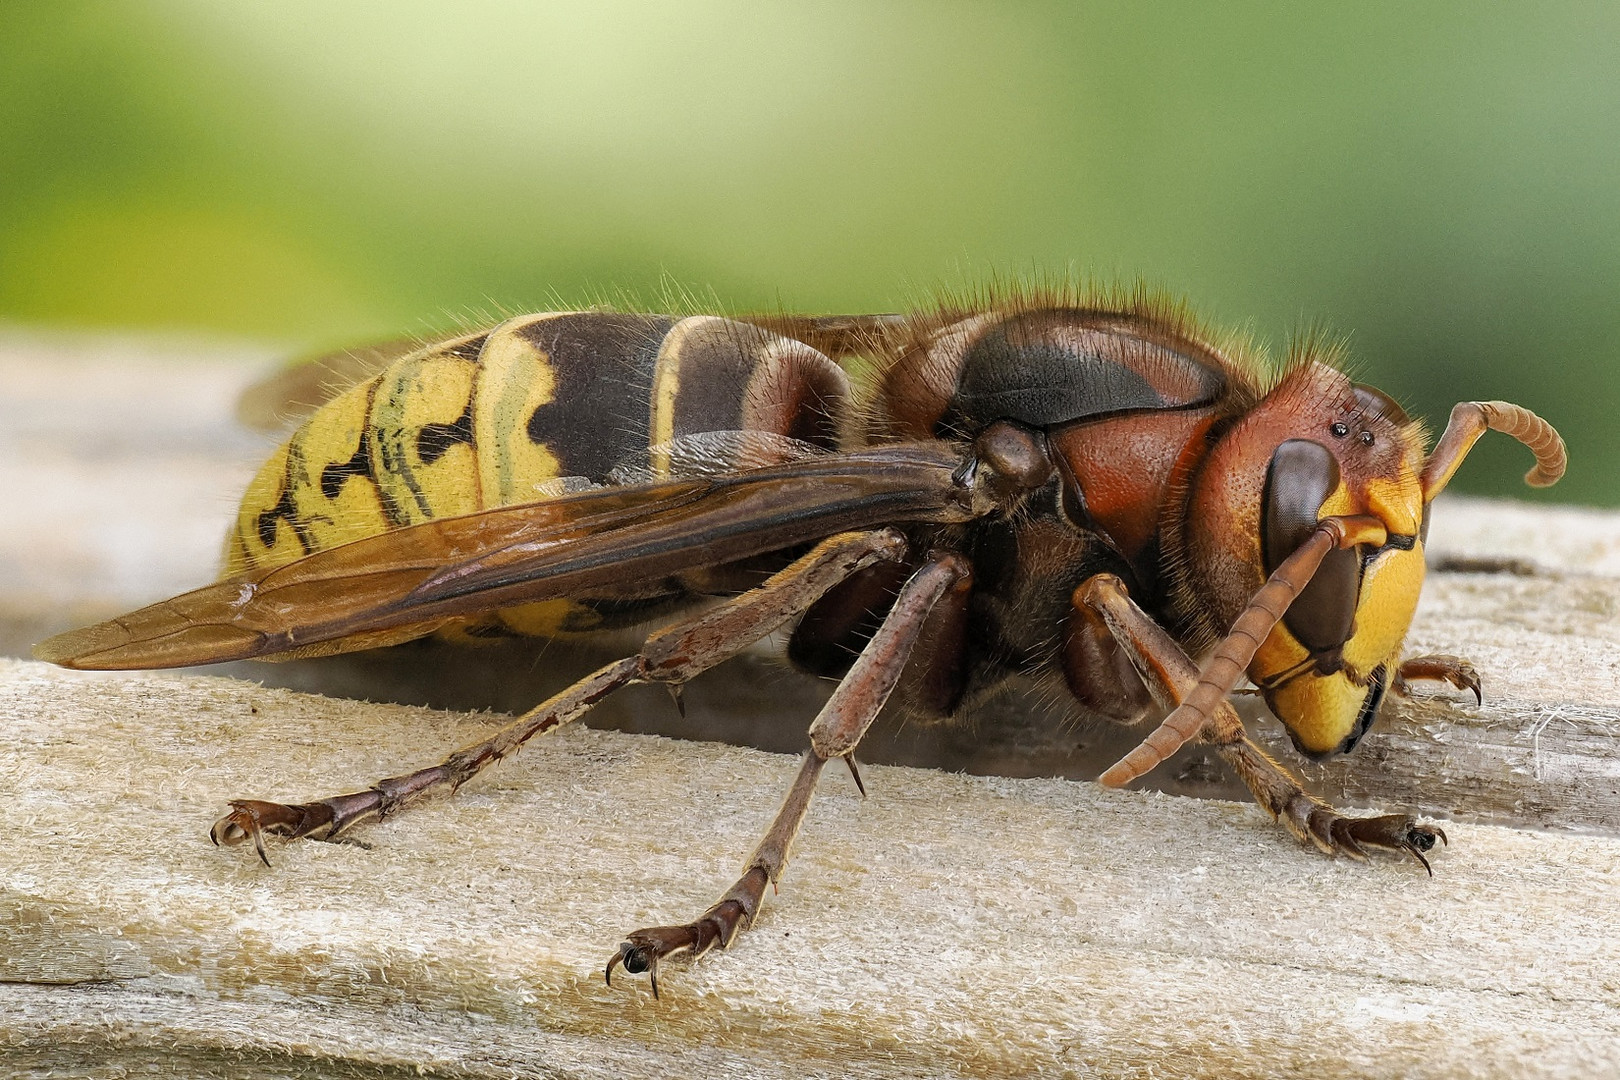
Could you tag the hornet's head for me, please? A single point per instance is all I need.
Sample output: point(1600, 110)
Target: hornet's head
point(1317, 446)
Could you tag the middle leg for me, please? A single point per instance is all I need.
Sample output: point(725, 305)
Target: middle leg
point(836, 732)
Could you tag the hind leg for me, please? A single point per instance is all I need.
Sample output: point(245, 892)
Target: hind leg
point(835, 733)
point(671, 656)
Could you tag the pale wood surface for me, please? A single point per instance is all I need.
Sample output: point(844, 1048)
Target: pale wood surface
point(949, 925)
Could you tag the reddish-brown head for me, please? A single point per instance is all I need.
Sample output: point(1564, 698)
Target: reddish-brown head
point(1317, 446)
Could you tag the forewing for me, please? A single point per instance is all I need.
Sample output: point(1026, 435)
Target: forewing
point(287, 397)
point(837, 336)
point(422, 575)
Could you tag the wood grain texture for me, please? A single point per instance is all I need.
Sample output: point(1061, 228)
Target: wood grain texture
point(949, 925)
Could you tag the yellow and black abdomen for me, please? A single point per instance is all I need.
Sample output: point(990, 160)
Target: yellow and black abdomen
point(496, 419)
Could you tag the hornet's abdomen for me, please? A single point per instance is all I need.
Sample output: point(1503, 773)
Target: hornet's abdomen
point(498, 418)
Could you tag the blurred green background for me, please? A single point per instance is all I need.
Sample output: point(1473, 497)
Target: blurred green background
point(1439, 180)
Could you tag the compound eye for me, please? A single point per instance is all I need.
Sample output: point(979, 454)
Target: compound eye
point(1301, 476)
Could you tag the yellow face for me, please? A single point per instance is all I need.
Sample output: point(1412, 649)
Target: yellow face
point(1328, 698)
point(1329, 713)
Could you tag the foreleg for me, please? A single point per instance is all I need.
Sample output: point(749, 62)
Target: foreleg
point(1438, 668)
point(1170, 675)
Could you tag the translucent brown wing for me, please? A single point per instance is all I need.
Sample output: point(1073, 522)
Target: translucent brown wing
point(838, 336)
point(286, 397)
point(289, 396)
point(365, 593)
